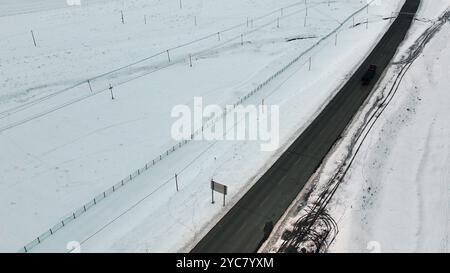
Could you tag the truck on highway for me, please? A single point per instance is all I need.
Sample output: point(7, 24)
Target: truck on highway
point(370, 73)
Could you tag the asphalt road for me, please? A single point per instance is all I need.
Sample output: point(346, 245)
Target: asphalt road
point(241, 230)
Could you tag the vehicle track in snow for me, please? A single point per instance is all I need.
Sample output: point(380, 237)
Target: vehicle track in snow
point(316, 230)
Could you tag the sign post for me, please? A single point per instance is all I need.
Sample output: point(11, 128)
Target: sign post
point(218, 188)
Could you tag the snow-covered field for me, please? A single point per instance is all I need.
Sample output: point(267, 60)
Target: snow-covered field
point(396, 194)
point(399, 185)
point(63, 144)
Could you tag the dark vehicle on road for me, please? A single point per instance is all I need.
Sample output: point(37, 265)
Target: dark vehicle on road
point(370, 73)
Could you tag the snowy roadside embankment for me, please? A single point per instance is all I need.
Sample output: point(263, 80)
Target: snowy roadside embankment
point(398, 188)
point(395, 196)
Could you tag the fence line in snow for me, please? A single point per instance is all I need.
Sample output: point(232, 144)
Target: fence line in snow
point(77, 213)
point(89, 82)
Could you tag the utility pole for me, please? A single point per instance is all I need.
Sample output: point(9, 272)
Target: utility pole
point(34, 40)
point(89, 83)
point(111, 90)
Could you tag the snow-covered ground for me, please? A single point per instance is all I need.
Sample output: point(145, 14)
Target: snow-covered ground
point(399, 185)
point(63, 144)
point(396, 194)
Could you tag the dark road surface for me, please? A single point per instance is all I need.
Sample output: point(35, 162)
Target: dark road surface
point(241, 229)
